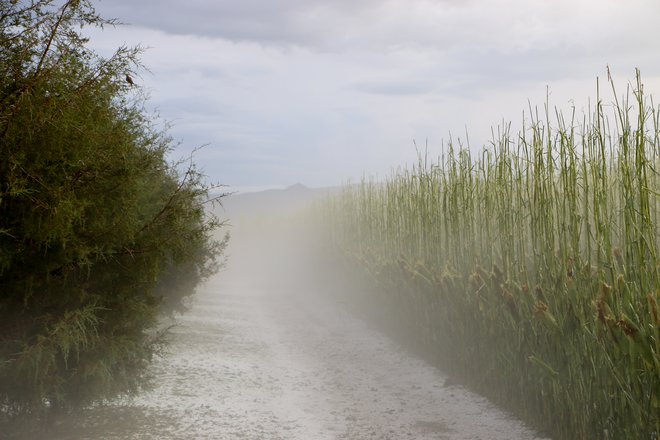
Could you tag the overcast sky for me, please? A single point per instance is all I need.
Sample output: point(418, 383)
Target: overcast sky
point(322, 92)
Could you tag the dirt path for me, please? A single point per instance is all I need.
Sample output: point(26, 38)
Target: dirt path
point(249, 363)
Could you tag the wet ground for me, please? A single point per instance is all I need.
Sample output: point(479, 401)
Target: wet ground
point(259, 363)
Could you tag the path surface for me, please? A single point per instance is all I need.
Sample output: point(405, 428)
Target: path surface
point(254, 363)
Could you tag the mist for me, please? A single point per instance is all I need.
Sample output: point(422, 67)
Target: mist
point(342, 369)
point(494, 274)
point(278, 345)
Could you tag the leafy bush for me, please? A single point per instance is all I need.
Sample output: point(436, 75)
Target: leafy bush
point(92, 216)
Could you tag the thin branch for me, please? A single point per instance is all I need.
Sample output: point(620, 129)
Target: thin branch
point(53, 32)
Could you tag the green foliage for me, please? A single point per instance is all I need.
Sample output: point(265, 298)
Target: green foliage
point(531, 271)
point(98, 232)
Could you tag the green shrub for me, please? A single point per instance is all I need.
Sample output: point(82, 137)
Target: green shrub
point(93, 218)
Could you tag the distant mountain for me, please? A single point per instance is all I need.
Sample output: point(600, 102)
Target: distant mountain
point(297, 187)
point(244, 205)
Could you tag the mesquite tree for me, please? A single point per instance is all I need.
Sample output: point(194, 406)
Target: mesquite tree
point(98, 232)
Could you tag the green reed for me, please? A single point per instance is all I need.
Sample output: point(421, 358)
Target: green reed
point(531, 269)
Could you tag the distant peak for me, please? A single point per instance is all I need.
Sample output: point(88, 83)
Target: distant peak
point(297, 187)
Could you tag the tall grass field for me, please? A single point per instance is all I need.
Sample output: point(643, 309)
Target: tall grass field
point(530, 270)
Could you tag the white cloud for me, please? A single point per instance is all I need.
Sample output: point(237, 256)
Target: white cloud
point(321, 91)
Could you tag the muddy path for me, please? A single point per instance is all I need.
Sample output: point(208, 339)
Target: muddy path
point(262, 355)
point(259, 363)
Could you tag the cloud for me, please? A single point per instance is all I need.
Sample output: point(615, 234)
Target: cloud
point(394, 88)
point(320, 91)
point(441, 24)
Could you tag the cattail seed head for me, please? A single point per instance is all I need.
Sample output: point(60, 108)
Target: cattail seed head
point(627, 327)
point(605, 289)
point(653, 306)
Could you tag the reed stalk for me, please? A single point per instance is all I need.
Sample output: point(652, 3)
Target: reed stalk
point(531, 268)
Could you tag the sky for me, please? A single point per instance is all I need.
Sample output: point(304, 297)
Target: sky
point(326, 92)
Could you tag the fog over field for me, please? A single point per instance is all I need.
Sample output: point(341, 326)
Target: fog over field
point(266, 352)
point(329, 219)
